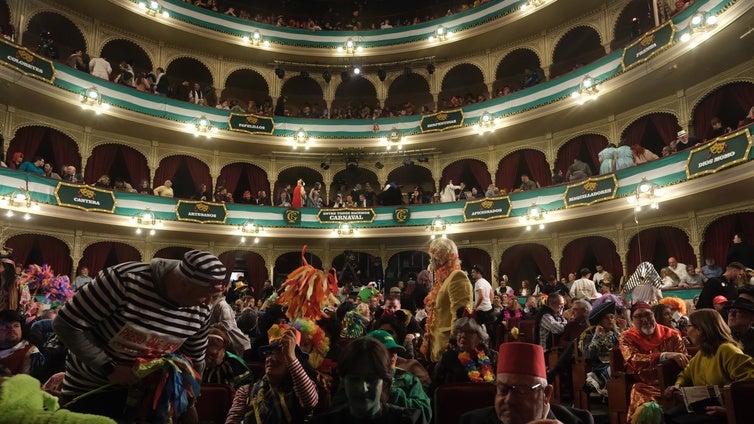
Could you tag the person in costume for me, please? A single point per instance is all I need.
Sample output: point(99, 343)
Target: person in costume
point(11, 290)
point(299, 195)
point(287, 393)
point(452, 290)
point(643, 347)
point(224, 367)
point(597, 341)
point(17, 355)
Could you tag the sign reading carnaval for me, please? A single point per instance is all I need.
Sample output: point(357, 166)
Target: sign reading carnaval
point(648, 45)
point(401, 215)
point(590, 191)
point(719, 153)
point(292, 216)
point(201, 212)
point(26, 62)
point(487, 208)
point(330, 216)
point(84, 197)
point(441, 121)
point(251, 124)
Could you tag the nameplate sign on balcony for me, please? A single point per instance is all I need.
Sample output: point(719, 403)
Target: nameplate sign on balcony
point(441, 121)
point(251, 124)
point(201, 212)
point(648, 45)
point(487, 208)
point(292, 216)
point(24, 61)
point(84, 197)
point(719, 154)
point(401, 215)
point(330, 216)
point(590, 191)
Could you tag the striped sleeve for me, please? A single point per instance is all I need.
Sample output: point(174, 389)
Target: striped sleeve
point(303, 386)
point(238, 408)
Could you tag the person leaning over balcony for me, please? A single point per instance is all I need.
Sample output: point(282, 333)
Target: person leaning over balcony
point(33, 167)
point(642, 155)
point(99, 67)
point(527, 184)
point(165, 190)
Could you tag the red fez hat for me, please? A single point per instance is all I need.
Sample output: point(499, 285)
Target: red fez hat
point(639, 305)
point(521, 358)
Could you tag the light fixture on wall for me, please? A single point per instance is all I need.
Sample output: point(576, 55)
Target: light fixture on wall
point(153, 8)
point(393, 138)
point(202, 126)
point(20, 199)
point(256, 39)
point(487, 122)
point(300, 138)
point(646, 193)
point(535, 215)
point(437, 228)
point(350, 46)
point(700, 22)
point(249, 227)
point(440, 34)
point(345, 229)
point(91, 99)
point(587, 90)
point(146, 220)
point(531, 4)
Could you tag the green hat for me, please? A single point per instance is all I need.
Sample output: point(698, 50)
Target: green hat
point(386, 339)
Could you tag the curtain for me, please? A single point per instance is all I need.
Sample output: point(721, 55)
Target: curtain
point(26, 141)
point(166, 169)
point(21, 245)
point(99, 163)
point(65, 151)
point(505, 177)
point(229, 260)
point(677, 242)
point(567, 153)
point(95, 256)
point(514, 255)
point(594, 144)
point(644, 252)
point(137, 165)
point(603, 249)
point(538, 166)
point(451, 172)
point(199, 172)
point(54, 251)
point(481, 173)
point(705, 111)
point(666, 125)
point(258, 179)
point(634, 132)
point(471, 256)
point(126, 253)
point(229, 176)
point(256, 271)
point(742, 93)
point(718, 235)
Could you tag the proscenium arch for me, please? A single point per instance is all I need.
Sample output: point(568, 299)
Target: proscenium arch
point(462, 80)
point(355, 92)
point(300, 91)
point(287, 262)
point(579, 46)
point(244, 85)
point(511, 68)
point(57, 24)
point(413, 88)
point(404, 263)
point(413, 175)
point(524, 262)
point(346, 179)
point(120, 50)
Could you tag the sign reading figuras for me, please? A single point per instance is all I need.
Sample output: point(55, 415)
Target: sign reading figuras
point(26, 62)
point(648, 45)
point(201, 212)
point(719, 153)
point(441, 121)
point(251, 124)
point(590, 191)
point(84, 197)
point(330, 216)
point(487, 208)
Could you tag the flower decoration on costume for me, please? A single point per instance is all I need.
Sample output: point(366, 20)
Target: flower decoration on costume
point(446, 262)
point(42, 281)
point(306, 291)
point(482, 374)
point(314, 336)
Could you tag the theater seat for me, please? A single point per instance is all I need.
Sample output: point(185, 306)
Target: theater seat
point(455, 399)
point(737, 398)
point(214, 403)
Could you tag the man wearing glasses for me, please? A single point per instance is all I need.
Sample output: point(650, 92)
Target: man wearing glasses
point(643, 347)
point(523, 394)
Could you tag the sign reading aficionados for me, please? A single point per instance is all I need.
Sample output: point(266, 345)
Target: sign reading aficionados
point(648, 45)
point(202, 212)
point(345, 215)
point(486, 209)
point(591, 191)
point(441, 121)
point(84, 197)
point(251, 124)
point(26, 62)
point(719, 154)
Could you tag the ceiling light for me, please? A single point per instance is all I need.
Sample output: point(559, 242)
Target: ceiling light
point(645, 194)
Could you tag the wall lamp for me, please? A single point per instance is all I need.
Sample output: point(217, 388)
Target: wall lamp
point(148, 220)
point(437, 228)
point(300, 138)
point(645, 194)
point(202, 126)
point(701, 21)
point(350, 47)
point(153, 8)
point(440, 34)
point(587, 90)
point(92, 99)
point(486, 122)
point(256, 39)
point(345, 229)
point(534, 216)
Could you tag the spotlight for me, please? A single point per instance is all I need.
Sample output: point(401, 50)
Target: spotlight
point(381, 74)
point(326, 76)
point(305, 74)
point(356, 70)
point(431, 68)
point(280, 72)
point(324, 165)
point(379, 165)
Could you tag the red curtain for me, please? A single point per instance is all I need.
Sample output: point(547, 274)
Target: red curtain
point(471, 256)
point(634, 132)
point(641, 253)
point(54, 251)
point(172, 252)
point(228, 259)
point(481, 173)
point(603, 250)
point(229, 176)
point(99, 163)
point(29, 139)
point(667, 125)
point(255, 176)
point(505, 177)
point(258, 179)
point(256, 271)
point(705, 111)
point(96, 255)
point(595, 143)
point(166, 169)
point(512, 258)
point(64, 149)
point(138, 169)
point(451, 172)
point(199, 172)
point(674, 241)
point(26, 141)
point(718, 235)
point(538, 167)
point(567, 153)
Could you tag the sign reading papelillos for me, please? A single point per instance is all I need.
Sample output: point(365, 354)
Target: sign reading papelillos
point(442, 121)
point(201, 212)
point(26, 62)
point(648, 45)
point(329, 216)
point(251, 124)
point(84, 197)
point(719, 153)
point(487, 208)
point(591, 191)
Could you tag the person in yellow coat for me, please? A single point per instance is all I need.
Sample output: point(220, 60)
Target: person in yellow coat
point(452, 290)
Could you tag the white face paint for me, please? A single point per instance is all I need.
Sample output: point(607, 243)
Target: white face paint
point(364, 395)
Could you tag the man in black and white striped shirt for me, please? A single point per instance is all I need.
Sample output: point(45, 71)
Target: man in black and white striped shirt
point(135, 310)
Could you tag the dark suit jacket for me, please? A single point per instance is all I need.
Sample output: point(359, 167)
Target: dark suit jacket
point(561, 413)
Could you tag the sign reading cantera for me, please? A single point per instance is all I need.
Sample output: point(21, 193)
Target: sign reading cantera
point(84, 197)
point(486, 209)
point(201, 212)
point(442, 121)
point(251, 124)
point(719, 154)
point(648, 45)
point(26, 62)
point(591, 191)
point(326, 216)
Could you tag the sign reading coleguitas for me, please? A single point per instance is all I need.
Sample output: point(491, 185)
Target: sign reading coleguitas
point(591, 191)
point(26, 62)
point(330, 216)
point(648, 45)
point(719, 153)
point(84, 197)
point(201, 212)
point(441, 121)
point(487, 208)
point(251, 124)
